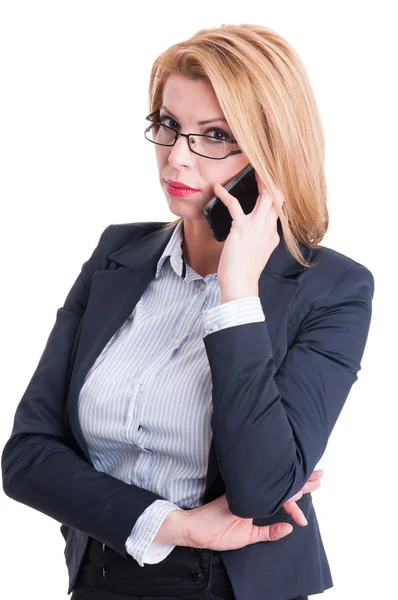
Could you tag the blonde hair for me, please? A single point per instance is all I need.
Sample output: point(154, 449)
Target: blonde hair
point(265, 94)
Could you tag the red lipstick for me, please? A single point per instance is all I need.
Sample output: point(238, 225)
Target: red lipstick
point(176, 188)
point(179, 184)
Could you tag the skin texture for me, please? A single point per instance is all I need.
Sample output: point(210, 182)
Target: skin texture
point(213, 525)
point(250, 243)
point(193, 101)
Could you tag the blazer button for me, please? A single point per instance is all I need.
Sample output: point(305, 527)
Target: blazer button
point(196, 576)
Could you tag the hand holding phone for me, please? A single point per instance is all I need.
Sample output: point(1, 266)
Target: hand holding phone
point(253, 234)
point(244, 187)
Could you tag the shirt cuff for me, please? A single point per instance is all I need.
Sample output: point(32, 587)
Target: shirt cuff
point(139, 544)
point(235, 312)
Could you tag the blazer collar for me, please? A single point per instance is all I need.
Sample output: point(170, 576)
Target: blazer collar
point(146, 251)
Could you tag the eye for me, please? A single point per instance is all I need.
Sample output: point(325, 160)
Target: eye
point(219, 134)
point(226, 135)
point(173, 123)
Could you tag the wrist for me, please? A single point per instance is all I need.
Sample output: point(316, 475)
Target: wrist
point(173, 529)
point(229, 296)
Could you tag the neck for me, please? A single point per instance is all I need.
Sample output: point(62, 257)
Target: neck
point(200, 250)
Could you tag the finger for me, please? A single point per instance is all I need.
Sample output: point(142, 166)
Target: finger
point(311, 486)
point(268, 199)
point(316, 474)
point(308, 487)
point(274, 190)
point(274, 532)
point(260, 183)
point(264, 205)
point(292, 509)
point(295, 497)
point(230, 202)
point(277, 193)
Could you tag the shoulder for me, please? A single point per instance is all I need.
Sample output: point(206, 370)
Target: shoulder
point(115, 236)
point(334, 278)
point(328, 260)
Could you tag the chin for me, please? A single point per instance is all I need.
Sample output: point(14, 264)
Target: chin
point(181, 208)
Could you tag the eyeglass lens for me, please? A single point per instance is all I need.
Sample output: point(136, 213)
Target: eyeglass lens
point(207, 146)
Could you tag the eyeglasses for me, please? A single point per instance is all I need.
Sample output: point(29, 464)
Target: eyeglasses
point(201, 144)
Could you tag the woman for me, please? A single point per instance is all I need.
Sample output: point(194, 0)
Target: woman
point(189, 386)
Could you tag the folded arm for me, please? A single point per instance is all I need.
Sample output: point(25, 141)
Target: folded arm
point(271, 428)
point(40, 468)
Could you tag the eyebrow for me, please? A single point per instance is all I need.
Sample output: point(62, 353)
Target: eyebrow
point(199, 122)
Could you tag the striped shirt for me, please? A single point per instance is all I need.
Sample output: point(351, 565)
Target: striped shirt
point(145, 405)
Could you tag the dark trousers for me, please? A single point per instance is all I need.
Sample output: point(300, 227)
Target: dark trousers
point(186, 573)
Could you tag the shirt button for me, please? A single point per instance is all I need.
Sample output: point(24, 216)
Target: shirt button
point(142, 388)
point(215, 327)
point(202, 285)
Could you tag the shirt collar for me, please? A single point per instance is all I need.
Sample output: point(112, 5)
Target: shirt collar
point(173, 251)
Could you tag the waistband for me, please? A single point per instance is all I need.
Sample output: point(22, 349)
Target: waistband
point(184, 571)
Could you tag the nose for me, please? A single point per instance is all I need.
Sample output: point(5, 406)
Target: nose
point(180, 153)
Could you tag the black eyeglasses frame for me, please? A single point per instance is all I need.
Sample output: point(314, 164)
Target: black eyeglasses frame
point(178, 134)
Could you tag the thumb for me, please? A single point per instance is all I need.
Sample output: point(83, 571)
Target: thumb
point(274, 532)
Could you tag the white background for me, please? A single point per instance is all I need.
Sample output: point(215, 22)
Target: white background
point(73, 159)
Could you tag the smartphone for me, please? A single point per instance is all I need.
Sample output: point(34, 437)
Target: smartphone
point(244, 187)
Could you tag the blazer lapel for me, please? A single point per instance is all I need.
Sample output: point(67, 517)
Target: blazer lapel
point(113, 295)
point(115, 292)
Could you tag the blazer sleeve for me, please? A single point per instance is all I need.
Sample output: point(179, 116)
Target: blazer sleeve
point(271, 428)
point(39, 468)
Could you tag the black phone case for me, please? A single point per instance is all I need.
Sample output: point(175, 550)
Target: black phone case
point(244, 187)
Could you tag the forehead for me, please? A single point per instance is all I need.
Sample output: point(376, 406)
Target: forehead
point(185, 97)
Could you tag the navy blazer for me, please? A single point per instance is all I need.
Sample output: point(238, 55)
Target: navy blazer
point(278, 389)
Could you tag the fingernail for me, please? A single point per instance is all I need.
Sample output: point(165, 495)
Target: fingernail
point(305, 521)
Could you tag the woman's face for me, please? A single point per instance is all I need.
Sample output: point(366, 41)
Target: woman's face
point(189, 102)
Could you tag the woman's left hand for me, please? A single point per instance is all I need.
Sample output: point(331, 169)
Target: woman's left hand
point(213, 526)
point(250, 242)
point(293, 509)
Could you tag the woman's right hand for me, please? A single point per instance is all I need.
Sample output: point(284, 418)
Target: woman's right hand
point(213, 526)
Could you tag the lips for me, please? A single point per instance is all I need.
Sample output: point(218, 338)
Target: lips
point(179, 185)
